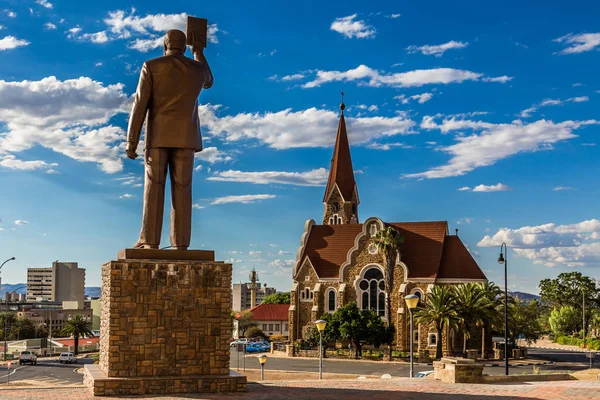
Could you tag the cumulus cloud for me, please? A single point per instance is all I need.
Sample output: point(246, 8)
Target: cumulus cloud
point(436, 50)
point(315, 177)
point(44, 3)
point(21, 222)
point(482, 147)
point(126, 196)
point(281, 267)
point(367, 76)
point(387, 146)
point(579, 43)
point(243, 199)
point(64, 116)
point(500, 187)
point(212, 155)
point(11, 42)
point(572, 245)
point(351, 27)
point(305, 128)
point(145, 33)
point(11, 162)
point(552, 102)
point(10, 13)
point(421, 98)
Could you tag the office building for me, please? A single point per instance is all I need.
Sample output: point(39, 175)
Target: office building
point(64, 281)
point(242, 295)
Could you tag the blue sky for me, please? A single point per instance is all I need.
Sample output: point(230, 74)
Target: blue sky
point(482, 115)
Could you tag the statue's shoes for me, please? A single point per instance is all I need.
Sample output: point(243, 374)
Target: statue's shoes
point(180, 247)
point(140, 245)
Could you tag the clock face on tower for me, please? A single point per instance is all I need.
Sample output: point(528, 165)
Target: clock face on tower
point(335, 207)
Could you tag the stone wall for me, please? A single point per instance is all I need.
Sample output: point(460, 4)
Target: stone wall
point(165, 318)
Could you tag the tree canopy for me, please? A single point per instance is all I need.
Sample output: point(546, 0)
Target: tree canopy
point(244, 321)
point(277, 298)
point(568, 289)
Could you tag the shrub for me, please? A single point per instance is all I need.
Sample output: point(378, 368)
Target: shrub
point(254, 332)
point(592, 344)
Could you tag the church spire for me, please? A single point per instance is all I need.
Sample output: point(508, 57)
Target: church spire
point(341, 197)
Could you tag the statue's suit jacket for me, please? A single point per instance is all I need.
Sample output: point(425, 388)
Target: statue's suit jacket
point(168, 93)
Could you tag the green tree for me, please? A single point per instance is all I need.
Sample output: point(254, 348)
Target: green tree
point(569, 289)
point(77, 327)
point(244, 321)
point(523, 321)
point(255, 331)
point(277, 298)
point(494, 304)
point(388, 242)
point(471, 307)
point(564, 320)
point(356, 326)
point(440, 311)
point(331, 333)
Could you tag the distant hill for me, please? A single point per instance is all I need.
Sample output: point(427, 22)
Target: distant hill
point(526, 297)
point(93, 291)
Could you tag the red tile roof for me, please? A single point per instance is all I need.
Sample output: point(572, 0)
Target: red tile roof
point(82, 341)
point(423, 250)
point(457, 262)
point(341, 171)
point(270, 312)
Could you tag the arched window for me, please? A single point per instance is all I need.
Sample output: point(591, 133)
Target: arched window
point(331, 300)
point(335, 220)
point(371, 291)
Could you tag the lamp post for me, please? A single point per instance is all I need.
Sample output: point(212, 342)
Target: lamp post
point(5, 314)
point(502, 259)
point(321, 326)
point(583, 313)
point(262, 359)
point(411, 302)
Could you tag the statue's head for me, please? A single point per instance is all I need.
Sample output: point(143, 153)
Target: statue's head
point(175, 42)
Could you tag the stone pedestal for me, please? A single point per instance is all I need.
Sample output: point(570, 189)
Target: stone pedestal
point(165, 327)
point(457, 370)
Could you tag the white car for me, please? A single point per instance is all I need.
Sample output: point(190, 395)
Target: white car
point(27, 357)
point(67, 358)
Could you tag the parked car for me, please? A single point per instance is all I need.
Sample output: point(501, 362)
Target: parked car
point(253, 348)
point(265, 346)
point(27, 357)
point(238, 341)
point(67, 358)
point(423, 374)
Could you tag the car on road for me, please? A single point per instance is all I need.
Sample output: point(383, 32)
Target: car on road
point(423, 374)
point(67, 358)
point(27, 357)
point(253, 348)
point(238, 341)
point(264, 346)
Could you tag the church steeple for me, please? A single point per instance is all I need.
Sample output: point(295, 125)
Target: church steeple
point(341, 196)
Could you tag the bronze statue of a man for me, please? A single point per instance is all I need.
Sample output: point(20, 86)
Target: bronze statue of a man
point(167, 97)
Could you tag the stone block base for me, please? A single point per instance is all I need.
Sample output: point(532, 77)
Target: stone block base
point(101, 385)
point(458, 370)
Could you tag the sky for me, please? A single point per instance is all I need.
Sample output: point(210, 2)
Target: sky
point(484, 115)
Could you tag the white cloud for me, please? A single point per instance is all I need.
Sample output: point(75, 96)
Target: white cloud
point(281, 267)
point(552, 102)
point(579, 43)
point(126, 196)
point(494, 142)
point(254, 253)
point(464, 221)
point(11, 42)
point(371, 108)
point(212, 155)
point(573, 245)
point(283, 253)
point(64, 116)
point(394, 16)
point(49, 26)
point(351, 27)
point(365, 75)
point(44, 3)
point(198, 206)
point(292, 77)
point(588, 144)
point(499, 79)
point(500, 187)
point(11, 162)
point(10, 14)
point(561, 188)
point(233, 261)
point(421, 98)
point(315, 177)
point(464, 188)
point(147, 32)
point(98, 64)
point(386, 146)
point(21, 222)
point(305, 128)
point(243, 199)
point(436, 50)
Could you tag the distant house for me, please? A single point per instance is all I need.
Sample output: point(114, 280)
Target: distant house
point(272, 319)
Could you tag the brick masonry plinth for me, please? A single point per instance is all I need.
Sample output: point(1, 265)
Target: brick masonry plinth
point(165, 328)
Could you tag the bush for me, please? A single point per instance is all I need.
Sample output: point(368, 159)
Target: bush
point(255, 332)
point(278, 338)
point(592, 344)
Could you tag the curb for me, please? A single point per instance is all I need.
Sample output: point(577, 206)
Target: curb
point(42, 387)
point(526, 364)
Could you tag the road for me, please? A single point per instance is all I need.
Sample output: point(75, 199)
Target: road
point(50, 371)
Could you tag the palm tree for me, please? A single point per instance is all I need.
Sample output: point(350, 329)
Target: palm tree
point(439, 311)
point(388, 242)
point(471, 306)
point(77, 327)
point(493, 294)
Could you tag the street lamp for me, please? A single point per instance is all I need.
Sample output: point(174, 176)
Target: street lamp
point(321, 326)
point(5, 314)
point(503, 260)
point(262, 359)
point(412, 301)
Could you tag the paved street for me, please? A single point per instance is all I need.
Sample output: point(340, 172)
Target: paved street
point(47, 371)
point(385, 389)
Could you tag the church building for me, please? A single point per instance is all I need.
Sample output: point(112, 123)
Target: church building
point(338, 263)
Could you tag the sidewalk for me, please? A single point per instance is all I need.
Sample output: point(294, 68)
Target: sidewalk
point(399, 388)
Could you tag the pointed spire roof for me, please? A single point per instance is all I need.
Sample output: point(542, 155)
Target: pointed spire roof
point(341, 171)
